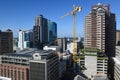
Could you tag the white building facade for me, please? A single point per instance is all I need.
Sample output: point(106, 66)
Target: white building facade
point(25, 39)
point(117, 64)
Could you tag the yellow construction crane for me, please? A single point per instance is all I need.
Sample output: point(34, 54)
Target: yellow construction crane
point(76, 9)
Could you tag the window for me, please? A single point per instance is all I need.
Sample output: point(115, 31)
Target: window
point(18, 75)
point(22, 75)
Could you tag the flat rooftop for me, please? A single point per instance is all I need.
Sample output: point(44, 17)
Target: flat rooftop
point(29, 52)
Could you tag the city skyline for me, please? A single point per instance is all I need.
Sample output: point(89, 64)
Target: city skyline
point(19, 14)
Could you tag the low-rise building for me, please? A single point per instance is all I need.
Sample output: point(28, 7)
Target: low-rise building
point(117, 64)
point(30, 64)
point(16, 65)
point(44, 66)
point(99, 63)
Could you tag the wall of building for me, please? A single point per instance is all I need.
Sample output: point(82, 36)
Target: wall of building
point(6, 42)
point(44, 66)
point(117, 64)
point(100, 29)
point(25, 39)
point(94, 64)
point(118, 37)
point(90, 69)
point(45, 31)
point(15, 72)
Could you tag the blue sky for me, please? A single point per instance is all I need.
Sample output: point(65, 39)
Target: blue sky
point(20, 14)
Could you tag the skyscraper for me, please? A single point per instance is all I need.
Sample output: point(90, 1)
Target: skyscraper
point(100, 29)
point(40, 30)
point(25, 39)
point(6, 41)
point(52, 31)
point(45, 31)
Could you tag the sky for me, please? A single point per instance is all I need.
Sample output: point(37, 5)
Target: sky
point(20, 14)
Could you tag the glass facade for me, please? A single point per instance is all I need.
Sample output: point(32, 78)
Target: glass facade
point(52, 30)
point(25, 39)
point(27, 36)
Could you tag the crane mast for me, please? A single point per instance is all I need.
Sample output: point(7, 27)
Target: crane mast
point(76, 9)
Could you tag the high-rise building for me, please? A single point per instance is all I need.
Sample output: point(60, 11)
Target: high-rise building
point(25, 39)
point(45, 31)
point(100, 29)
point(6, 41)
point(52, 32)
point(118, 37)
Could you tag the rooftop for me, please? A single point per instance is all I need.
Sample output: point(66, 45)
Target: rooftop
point(29, 52)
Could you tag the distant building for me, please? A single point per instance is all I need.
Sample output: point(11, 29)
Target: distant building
point(100, 29)
point(78, 46)
point(15, 44)
point(6, 41)
point(25, 39)
point(117, 64)
point(70, 47)
point(44, 66)
point(118, 37)
point(52, 32)
point(45, 31)
point(62, 42)
point(54, 48)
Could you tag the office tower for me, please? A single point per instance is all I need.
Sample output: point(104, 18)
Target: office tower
point(25, 39)
point(44, 66)
point(117, 64)
point(45, 31)
point(6, 41)
point(52, 32)
point(100, 29)
point(118, 37)
point(40, 31)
